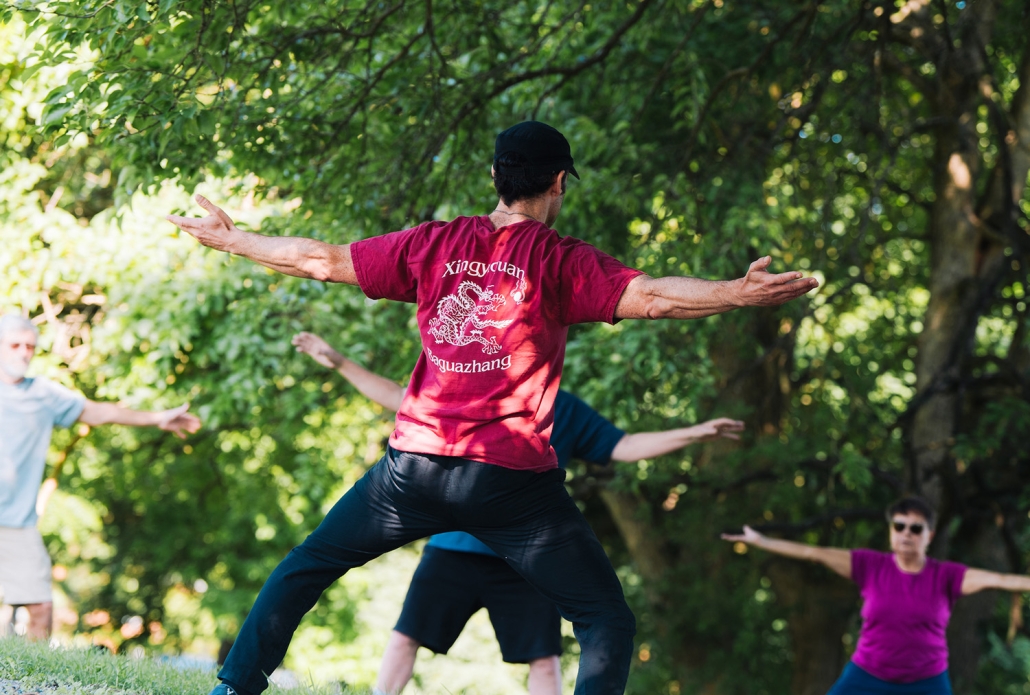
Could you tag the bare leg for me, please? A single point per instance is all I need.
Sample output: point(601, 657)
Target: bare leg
point(545, 676)
point(398, 664)
point(547, 541)
point(41, 616)
point(6, 620)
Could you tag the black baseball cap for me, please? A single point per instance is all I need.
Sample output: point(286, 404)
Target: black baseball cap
point(542, 147)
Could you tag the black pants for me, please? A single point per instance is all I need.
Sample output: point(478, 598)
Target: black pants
point(526, 518)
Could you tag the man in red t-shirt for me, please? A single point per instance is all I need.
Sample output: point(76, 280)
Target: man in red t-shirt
point(471, 448)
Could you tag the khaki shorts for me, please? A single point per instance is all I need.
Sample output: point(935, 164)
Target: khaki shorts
point(24, 567)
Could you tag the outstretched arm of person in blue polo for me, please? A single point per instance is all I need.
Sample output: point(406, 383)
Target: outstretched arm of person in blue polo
point(631, 447)
point(377, 389)
point(645, 445)
point(297, 256)
point(692, 298)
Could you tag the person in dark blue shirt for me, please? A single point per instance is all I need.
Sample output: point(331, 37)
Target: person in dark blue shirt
point(458, 574)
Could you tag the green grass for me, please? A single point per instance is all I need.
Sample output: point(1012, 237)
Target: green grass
point(78, 671)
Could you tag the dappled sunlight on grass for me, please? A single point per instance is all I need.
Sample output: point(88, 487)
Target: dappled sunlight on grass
point(60, 670)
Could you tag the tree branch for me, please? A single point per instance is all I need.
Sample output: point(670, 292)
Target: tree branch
point(795, 528)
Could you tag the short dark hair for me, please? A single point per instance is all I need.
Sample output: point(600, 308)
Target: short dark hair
point(913, 504)
point(524, 185)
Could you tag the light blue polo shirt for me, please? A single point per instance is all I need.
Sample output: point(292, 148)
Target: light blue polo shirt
point(28, 412)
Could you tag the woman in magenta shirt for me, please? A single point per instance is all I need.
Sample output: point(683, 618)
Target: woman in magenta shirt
point(908, 597)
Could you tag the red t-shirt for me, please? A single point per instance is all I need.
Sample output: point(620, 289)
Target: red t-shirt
point(494, 306)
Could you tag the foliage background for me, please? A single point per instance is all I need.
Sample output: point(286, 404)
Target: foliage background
point(880, 146)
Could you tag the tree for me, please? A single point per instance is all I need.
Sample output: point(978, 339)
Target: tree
point(883, 145)
point(157, 539)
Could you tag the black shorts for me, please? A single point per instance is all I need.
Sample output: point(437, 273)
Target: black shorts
point(449, 586)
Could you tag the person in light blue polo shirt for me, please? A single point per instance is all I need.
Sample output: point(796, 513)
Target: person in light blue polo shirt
point(458, 574)
point(30, 408)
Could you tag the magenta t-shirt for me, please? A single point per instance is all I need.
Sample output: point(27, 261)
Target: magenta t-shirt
point(494, 306)
point(904, 616)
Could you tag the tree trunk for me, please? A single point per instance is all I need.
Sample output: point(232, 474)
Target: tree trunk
point(986, 548)
point(968, 241)
point(821, 607)
point(628, 511)
point(633, 520)
point(955, 242)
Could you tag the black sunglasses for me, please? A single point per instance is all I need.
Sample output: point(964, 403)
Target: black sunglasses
point(900, 527)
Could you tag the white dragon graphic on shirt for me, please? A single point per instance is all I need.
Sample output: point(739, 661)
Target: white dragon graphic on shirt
point(459, 317)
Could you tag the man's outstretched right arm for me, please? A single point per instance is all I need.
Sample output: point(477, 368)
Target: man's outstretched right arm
point(692, 298)
point(297, 256)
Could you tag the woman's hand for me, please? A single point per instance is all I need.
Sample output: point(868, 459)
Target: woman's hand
point(750, 536)
point(837, 559)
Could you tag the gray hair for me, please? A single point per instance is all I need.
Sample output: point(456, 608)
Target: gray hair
point(16, 322)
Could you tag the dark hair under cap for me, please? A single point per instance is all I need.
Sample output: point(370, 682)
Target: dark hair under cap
point(913, 504)
point(538, 147)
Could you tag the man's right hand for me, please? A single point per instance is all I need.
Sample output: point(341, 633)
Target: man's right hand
point(320, 351)
point(216, 230)
point(178, 421)
point(759, 287)
point(719, 428)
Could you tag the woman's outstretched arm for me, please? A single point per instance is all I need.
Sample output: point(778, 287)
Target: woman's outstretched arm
point(978, 580)
point(837, 559)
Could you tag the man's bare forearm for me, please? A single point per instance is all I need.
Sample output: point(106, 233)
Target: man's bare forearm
point(684, 298)
point(693, 298)
point(645, 445)
point(296, 256)
point(677, 298)
point(110, 414)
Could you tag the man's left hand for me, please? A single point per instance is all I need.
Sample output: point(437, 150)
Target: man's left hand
point(759, 287)
point(178, 421)
point(719, 428)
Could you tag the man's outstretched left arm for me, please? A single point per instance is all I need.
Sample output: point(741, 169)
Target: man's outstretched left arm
point(176, 420)
point(693, 298)
point(297, 256)
point(644, 445)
